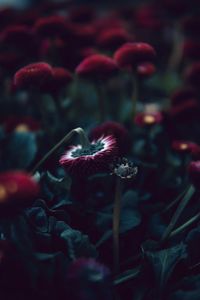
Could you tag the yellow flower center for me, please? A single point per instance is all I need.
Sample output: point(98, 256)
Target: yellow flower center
point(3, 193)
point(183, 146)
point(22, 128)
point(149, 119)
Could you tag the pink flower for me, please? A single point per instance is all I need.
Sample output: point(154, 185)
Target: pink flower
point(82, 162)
point(117, 130)
point(34, 75)
point(51, 26)
point(20, 124)
point(97, 66)
point(148, 119)
point(146, 69)
point(182, 146)
point(17, 34)
point(17, 188)
point(130, 55)
point(194, 172)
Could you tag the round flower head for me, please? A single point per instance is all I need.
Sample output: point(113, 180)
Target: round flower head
point(111, 39)
point(194, 172)
point(192, 74)
point(97, 66)
point(118, 131)
point(85, 161)
point(17, 188)
point(182, 146)
point(182, 95)
point(130, 55)
point(16, 34)
point(60, 79)
point(148, 119)
point(87, 279)
point(51, 26)
point(35, 75)
point(146, 69)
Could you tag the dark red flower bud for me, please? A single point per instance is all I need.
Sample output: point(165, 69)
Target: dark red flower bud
point(148, 119)
point(146, 69)
point(111, 39)
point(118, 131)
point(132, 54)
point(195, 151)
point(194, 173)
point(182, 95)
point(83, 162)
point(18, 34)
point(34, 75)
point(20, 124)
point(108, 22)
point(52, 26)
point(87, 279)
point(97, 66)
point(149, 16)
point(192, 74)
point(191, 49)
point(17, 188)
point(182, 146)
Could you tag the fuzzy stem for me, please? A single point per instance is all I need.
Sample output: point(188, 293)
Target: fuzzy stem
point(185, 225)
point(116, 223)
point(83, 140)
point(178, 212)
point(134, 94)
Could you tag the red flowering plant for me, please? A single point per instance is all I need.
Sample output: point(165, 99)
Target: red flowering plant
point(78, 220)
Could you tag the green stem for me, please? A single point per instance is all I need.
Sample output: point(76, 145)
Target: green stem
point(116, 223)
point(83, 140)
point(175, 201)
point(178, 212)
point(185, 225)
point(134, 95)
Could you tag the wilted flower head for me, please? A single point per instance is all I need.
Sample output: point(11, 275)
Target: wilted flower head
point(131, 54)
point(34, 75)
point(87, 279)
point(148, 119)
point(17, 188)
point(111, 39)
point(84, 161)
point(97, 66)
point(182, 146)
point(124, 169)
point(194, 172)
point(51, 26)
point(117, 130)
point(192, 74)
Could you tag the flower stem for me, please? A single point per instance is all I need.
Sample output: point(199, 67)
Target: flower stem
point(134, 94)
point(185, 225)
point(83, 140)
point(178, 212)
point(116, 223)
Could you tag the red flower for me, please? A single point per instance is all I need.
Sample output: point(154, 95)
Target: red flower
point(17, 34)
point(117, 130)
point(51, 26)
point(146, 69)
point(182, 146)
point(34, 75)
point(97, 66)
point(83, 162)
point(194, 172)
point(20, 124)
point(130, 55)
point(149, 16)
point(148, 119)
point(182, 95)
point(61, 78)
point(17, 188)
point(192, 74)
point(195, 151)
point(111, 39)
